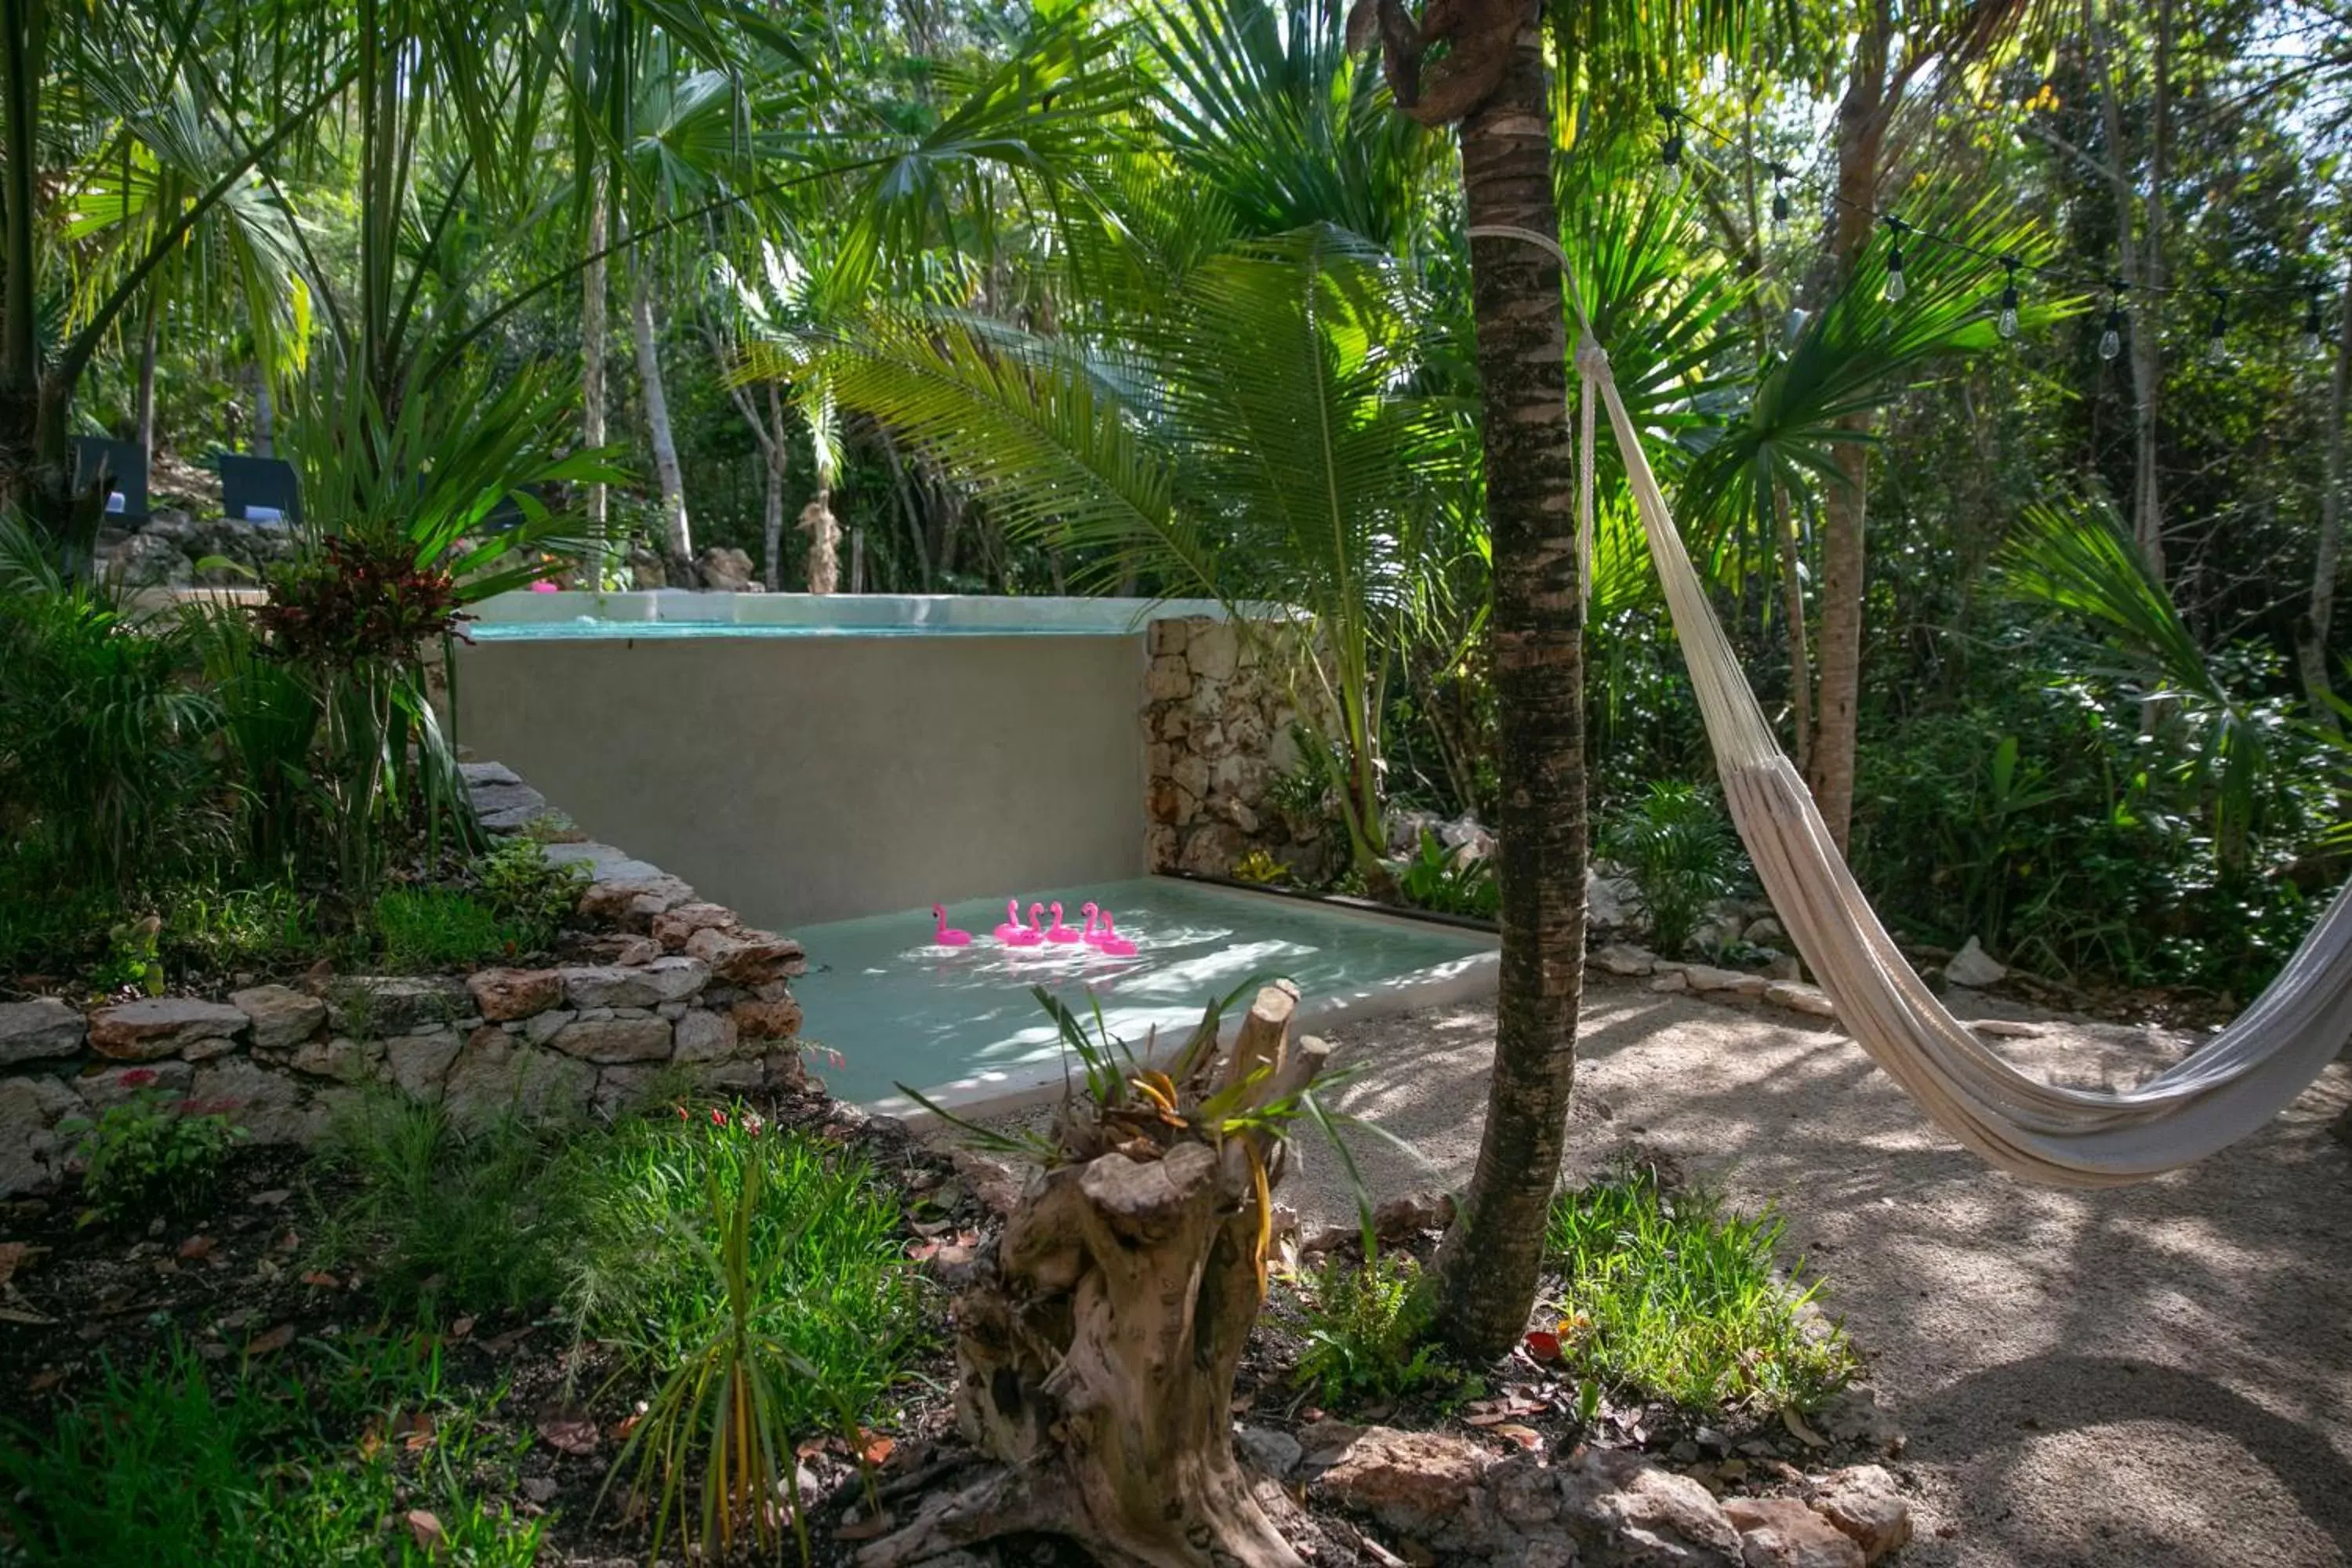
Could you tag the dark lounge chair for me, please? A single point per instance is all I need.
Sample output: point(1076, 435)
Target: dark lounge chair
point(259, 489)
point(125, 466)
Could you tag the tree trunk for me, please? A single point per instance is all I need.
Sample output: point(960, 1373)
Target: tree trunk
point(265, 413)
point(1486, 1270)
point(1862, 136)
point(592, 362)
point(1792, 610)
point(1095, 1354)
point(678, 538)
point(825, 542)
point(776, 452)
point(2327, 557)
point(144, 401)
point(2139, 248)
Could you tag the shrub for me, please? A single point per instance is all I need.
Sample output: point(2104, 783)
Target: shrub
point(132, 960)
point(474, 1218)
point(1679, 851)
point(528, 889)
point(1361, 1333)
point(153, 1154)
point(434, 928)
point(1671, 1294)
point(1435, 879)
point(833, 1287)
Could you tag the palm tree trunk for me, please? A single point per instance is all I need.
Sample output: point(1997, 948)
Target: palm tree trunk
point(1486, 1271)
point(265, 413)
point(2139, 245)
point(144, 402)
point(2328, 555)
point(592, 356)
point(776, 450)
point(677, 539)
point(1792, 609)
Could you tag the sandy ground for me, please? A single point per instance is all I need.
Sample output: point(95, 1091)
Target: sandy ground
point(2159, 1374)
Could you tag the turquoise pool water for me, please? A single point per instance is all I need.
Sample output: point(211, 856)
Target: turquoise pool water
point(962, 1021)
point(661, 614)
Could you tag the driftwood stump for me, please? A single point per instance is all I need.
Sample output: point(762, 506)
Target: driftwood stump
point(1096, 1350)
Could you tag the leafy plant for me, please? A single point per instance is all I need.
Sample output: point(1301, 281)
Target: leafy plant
point(526, 889)
point(1362, 1331)
point(154, 1153)
point(434, 928)
point(218, 928)
point(1671, 1293)
point(1436, 879)
point(1261, 867)
point(131, 959)
point(1678, 848)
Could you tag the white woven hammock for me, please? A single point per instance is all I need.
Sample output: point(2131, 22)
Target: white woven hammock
point(2072, 1137)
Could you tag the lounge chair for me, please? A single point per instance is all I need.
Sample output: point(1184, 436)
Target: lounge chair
point(125, 467)
point(259, 489)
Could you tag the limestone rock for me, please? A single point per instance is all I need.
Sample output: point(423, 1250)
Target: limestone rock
point(504, 994)
point(1212, 649)
point(1766, 930)
point(1169, 636)
point(1706, 977)
point(267, 1105)
point(281, 1015)
point(604, 863)
point(150, 560)
point(493, 1074)
point(778, 1020)
point(621, 1090)
point(703, 1035)
point(727, 569)
point(44, 1026)
point(1973, 966)
point(636, 902)
point(1624, 1509)
point(997, 1186)
point(1854, 1415)
point(1526, 1491)
point(344, 1061)
point(1862, 1502)
point(1212, 849)
point(2008, 1028)
point(111, 1087)
point(1782, 1533)
point(1799, 997)
point(542, 1028)
point(1610, 900)
point(478, 774)
point(1625, 958)
point(418, 1062)
point(1267, 1451)
point(156, 1027)
point(670, 979)
point(33, 1155)
point(747, 957)
point(1673, 979)
point(1417, 1483)
point(606, 1041)
point(374, 1006)
point(1166, 680)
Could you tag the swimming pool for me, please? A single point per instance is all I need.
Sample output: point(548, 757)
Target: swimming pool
point(963, 1026)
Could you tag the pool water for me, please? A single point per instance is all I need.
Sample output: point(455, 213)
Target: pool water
point(962, 1024)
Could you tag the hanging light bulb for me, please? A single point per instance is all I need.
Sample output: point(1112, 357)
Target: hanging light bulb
point(1895, 287)
point(1780, 195)
point(2111, 337)
point(2006, 322)
point(2312, 325)
point(2217, 330)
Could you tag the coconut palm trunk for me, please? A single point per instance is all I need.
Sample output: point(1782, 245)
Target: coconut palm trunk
point(592, 355)
point(677, 538)
point(2328, 554)
point(1486, 1273)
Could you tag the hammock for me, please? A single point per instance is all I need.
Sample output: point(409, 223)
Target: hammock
point(2069, 1137)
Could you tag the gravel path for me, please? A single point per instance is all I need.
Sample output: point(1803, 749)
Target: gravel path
point(2159, 1374)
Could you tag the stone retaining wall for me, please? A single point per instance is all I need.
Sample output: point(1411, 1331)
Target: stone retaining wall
point(660, 982)
point(1218, 714)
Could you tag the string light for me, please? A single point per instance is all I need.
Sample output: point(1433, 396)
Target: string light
point(1895, 287)
point(2312, 326)
point(1671, 152)
point(2006, 322)
point(2111, 337)
point(1780, 193)
point(2217, 343)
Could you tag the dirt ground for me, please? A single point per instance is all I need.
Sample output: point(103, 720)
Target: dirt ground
point(2154, 1376)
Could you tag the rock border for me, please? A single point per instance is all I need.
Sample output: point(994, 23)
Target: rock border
point(675, 983)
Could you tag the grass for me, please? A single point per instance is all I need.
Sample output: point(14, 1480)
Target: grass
point(1671, 1293)
point(444, 1216)
point(436, 928)
point(834, 1292)
point(176, 1463)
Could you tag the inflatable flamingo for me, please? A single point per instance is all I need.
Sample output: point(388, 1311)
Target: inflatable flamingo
point(946, 935)
point(1011, 926)
point(1110, 942)
point(1060, 932)
point(1028, 935)
point(1090, 936)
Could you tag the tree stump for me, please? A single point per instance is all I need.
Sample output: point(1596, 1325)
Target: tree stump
point(1096, 1347)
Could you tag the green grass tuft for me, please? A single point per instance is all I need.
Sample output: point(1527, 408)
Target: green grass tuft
point(1361, 1333)
point(436, 928)
point(1673, 1294)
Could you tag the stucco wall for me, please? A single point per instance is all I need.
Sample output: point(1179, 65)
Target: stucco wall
point(804, 779)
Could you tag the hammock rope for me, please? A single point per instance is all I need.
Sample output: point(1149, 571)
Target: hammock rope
point(2226, 1089)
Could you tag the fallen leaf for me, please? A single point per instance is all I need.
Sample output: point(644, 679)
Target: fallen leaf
point(196, 1246)
point(507, 1342)
point(1543, 1344)
point(569, 1428)
point(13, 1253)
point(427, 1530)
point(1526, 1437)
point(877, 1448)
point(626, 1424)
point(42, 1381)
point(539, 1489)
point(322, 1280)
point(414, 1432)
point(863, 1530)
point(1803, 1433)
point(461, 1327)
point(270, 1344)
point(272, 1198)
point(922, 1251)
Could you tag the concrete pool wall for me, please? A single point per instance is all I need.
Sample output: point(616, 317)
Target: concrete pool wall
point(808, 759)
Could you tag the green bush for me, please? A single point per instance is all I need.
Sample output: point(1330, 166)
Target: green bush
point(1361, 1333)
point(153, 1154)
point(1671, 1294)
point(1434, 880)
point(835, 1291)
point(439, 927)
point(1678, 848)
point(533, 893)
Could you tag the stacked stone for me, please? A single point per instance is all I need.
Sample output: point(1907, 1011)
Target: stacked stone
point(1218, 716)
point(679, 983)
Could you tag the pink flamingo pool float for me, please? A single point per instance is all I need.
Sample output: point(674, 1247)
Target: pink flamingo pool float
point(1110, 942)
point(945, 935)
point(1060, 932)
point(1011, 926)
point(1028, 935)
